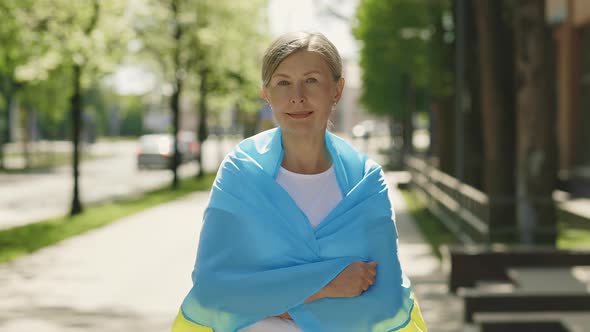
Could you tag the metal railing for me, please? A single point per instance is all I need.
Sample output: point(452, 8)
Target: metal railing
point(465, 210)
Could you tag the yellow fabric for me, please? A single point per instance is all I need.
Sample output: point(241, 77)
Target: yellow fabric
point(181, 324)
point(416, 323)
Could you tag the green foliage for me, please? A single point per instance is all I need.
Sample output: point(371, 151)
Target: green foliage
point(41, 40)
point(224, 36)
point(441, 75)
point(131, 113)
point(393, 53)
point(405, 43)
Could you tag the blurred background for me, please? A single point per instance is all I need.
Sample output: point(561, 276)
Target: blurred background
point(115, 110)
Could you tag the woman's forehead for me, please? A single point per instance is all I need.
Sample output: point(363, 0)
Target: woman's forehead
point(302, 62)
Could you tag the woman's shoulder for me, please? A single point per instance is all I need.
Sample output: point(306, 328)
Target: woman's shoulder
point(259, 152)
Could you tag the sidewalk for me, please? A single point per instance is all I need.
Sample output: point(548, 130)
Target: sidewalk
point(442, 311)
point(132, 275)
point(128, 276)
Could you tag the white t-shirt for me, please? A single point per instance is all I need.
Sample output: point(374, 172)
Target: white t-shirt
point(316, 195)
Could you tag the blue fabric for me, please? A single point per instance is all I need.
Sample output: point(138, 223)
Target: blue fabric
point(259, 256)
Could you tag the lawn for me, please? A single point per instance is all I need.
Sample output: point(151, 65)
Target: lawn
point(22, 240)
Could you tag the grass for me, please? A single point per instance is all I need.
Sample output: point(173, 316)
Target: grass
point(436, 234)
point(573, 238)
point(43, 161)
point(23, 240)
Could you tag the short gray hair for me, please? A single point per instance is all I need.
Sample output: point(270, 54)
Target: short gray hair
point(292, 42)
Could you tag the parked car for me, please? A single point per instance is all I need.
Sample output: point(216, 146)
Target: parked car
point(157, 150)
point(369, 128)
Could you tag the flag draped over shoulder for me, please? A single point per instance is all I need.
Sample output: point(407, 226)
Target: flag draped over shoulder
point(259, 256)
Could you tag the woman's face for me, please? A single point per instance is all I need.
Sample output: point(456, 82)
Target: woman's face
point(302, 92)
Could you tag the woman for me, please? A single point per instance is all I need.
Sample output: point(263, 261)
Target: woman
point(299, 233)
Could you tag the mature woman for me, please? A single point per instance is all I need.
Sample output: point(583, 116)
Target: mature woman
point(299, 232)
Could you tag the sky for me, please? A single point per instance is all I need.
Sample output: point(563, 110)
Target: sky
point(311, 15)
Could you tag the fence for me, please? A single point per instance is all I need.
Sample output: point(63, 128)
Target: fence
point(463, 209)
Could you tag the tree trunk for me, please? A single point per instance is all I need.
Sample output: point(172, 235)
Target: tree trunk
point(460, 89)
point(395, 160)
point(473, 126)
point(497, 104)
point(202, 134)
point(444, 129)
point(76, 105)
point(536, 146)
point(9, 90)
point(248, 120)
point(408, 125)
point(175, 98)
point(5, 127)
point(25, 114)
point(175, 107)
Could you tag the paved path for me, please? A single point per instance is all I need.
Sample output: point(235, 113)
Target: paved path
point(442, 311)
point(132, 275)
point(128, 276)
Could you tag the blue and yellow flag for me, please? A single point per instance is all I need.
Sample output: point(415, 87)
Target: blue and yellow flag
point(259, 256)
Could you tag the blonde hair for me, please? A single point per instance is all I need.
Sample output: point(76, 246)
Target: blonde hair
point(292, 42)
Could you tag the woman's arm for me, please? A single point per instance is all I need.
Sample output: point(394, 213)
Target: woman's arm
point(355, 279)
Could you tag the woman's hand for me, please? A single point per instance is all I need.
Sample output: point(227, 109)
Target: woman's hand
point(285, 316)
point(355, 279)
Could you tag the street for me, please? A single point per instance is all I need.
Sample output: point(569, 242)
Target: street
point(26, 198)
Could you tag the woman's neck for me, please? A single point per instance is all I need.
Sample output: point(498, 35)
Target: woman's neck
point(305, 155)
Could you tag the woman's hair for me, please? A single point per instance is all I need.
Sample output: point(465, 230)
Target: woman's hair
point(292, 42)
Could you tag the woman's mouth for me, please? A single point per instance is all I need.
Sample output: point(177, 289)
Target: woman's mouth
point(299, 115)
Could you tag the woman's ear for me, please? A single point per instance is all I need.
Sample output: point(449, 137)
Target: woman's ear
point(263, 94)
point(339, 89)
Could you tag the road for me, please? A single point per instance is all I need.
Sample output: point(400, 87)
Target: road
point(26, 198)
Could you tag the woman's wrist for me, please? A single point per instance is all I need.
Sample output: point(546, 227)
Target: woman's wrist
point(319, 295)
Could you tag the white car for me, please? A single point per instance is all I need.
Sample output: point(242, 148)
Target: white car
point(157, 150)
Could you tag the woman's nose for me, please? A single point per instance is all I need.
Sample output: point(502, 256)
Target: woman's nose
point(298, 96)
point(296, 100)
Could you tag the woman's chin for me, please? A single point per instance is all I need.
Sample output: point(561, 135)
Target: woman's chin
point(300, 129)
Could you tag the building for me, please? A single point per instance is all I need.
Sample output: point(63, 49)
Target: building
point(571, 21)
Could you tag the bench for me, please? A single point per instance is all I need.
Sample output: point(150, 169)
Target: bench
point(553, 321)
point(531, 289)
point(468, 264)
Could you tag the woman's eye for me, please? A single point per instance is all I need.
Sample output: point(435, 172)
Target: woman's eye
point(311, 80)
point(283, 83)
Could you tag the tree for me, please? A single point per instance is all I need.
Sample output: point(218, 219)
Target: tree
point(496, 65)
point(536, 140)
point(393, 57)
point(228, 64)
point(83, 39)
point(165, 29)
point(12, 55)
point(206, 45)
point(441, 83)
